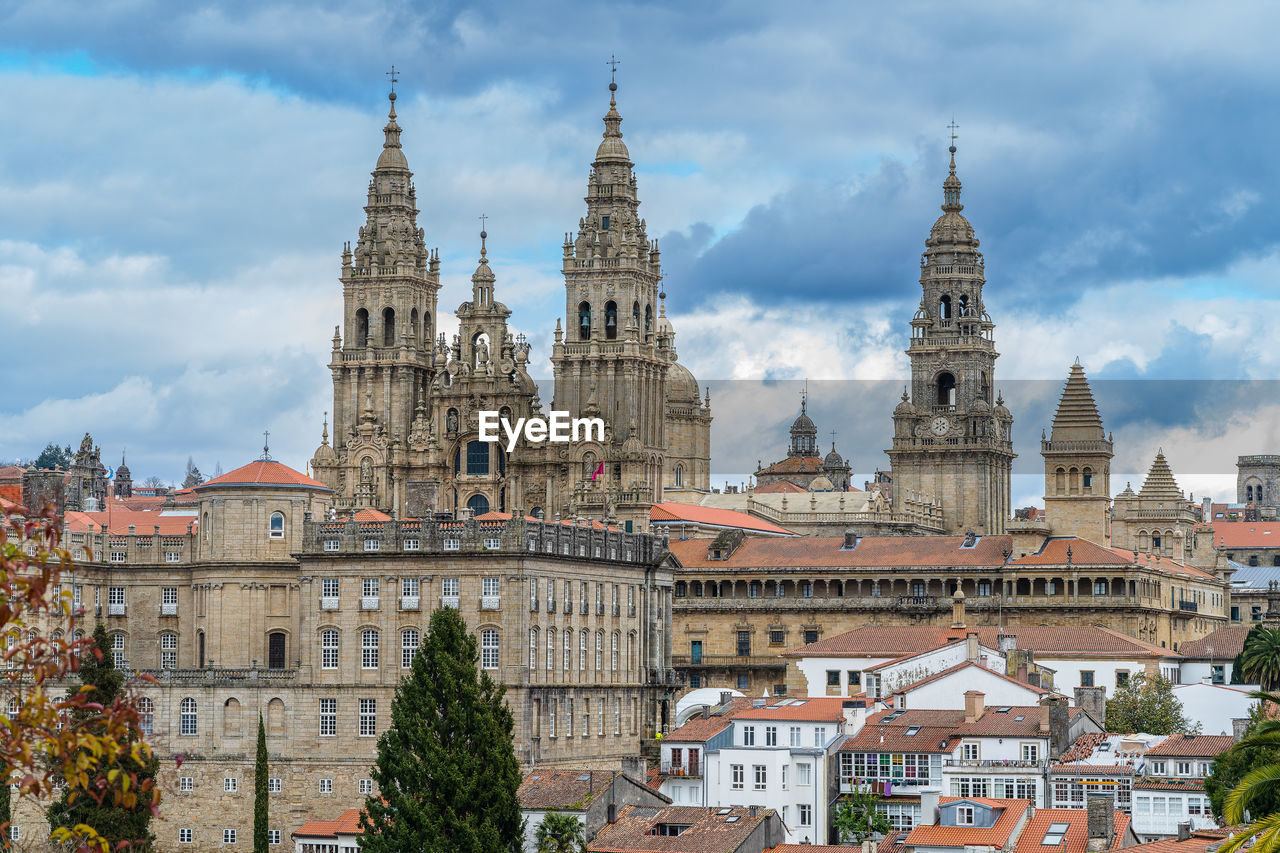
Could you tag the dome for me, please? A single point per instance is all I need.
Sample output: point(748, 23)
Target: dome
point(612, 148)
point(821, 484)
point(833, 460)
point(324, 453)
point(681, 385)
point(804, 424)
point(951, 227)
point(392, 158)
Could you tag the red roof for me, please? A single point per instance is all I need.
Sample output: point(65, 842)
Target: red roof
point(1011, 811)
point(810, 710)
point(1193, 746)
point(1086, 553)
point(1199, 842)
point(11, 492)
point(118, 521)
point(1077, 836)
point(698, 729)
point(1248, 534)
point(1226, 642)
point(348, 823)
point(795, 465)
point(263, 472)
point(370, 515)
point(779, 487)
point(676, 512)
point(710, 830)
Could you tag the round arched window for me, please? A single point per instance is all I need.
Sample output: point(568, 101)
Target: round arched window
point(277, 525)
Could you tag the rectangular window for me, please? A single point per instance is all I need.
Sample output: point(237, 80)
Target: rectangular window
point(1086, 678)
point(168, 651)
point(1184, 768)
point(488, 586)
point(332, 544)
point(761, 775)
point(1031, 752)
point(803, 774)
point(833, 678)
point(1122, 677)
point(411, 545)
point(964, 815)
point(328, 717)
point(795, 735)
point(368, 717)
point(115, 595)
point(329, 588)
point(169, 595)
point(273, 785)
point(735, 777)
point(744, 643)
point(1157, 768)
point(820, 737)
point(492, 544)
point(1219, 673)
point(409, 587)
point(228, 836)
point(855, 679)
point(453, 544)
point(748, 735)
point(230, 783)
point(184, 836)
point(369, 649)
point(449, 587)
point(273, 836)
point(366, 786)
point(326, 786)
point(770, 735)
point(187, 783)
point(806, 814)
point(118, 556)
point(369, 588)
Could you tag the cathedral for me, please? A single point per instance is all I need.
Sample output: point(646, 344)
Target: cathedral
point(407, 400)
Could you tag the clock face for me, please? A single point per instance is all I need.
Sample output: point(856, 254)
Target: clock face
point(940, 426)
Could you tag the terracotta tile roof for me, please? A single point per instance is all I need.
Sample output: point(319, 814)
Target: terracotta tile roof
point(891, 843)
point(1199, 842)
point(1049, 640)
point(1011, 811)
point(817, 848)
point(937, 732)
point(7, 504)
point(11, 492)
point(778, 487)
point(698, 729)
point(794, 465)
point(1152, 783)
point(1077, 837)
point(264, 473)
point(965, 665)
point(1194, 746)
point(829, 551)
point(118, 521)
point(993, 723)
point(1227, 642)
point(11, 473)
point(1086, 553)
point(804, 710)
point(1248, 534)
point(564, 790)
point(1092, 769)
point(669, 511)
point(709, 831)
point(370, 515)
point(348, 823)
point(1084, 746)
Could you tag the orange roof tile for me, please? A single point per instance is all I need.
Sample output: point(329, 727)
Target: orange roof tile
point(11, 492)
point(811, 710)
point(795, 465)
point(1194, 746)
point(370, 515)
point(669, 511)
point(829, 551)
point(708, 831)
point(779, 487)
point(348, 823)
point(1226, 642)
point(1011, 811)
point(891, 843)
point(263, 472)
point(1199, 842)
point(1248, 534)
point(699, 729)
point(1086, 553)
point(118, 521)
point(1077, 837)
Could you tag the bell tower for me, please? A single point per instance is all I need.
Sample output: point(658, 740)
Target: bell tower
point(1077, 465)
point(951, 441)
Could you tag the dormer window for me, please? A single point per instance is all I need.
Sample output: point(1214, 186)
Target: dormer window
point(277, 525)
point(964, 815)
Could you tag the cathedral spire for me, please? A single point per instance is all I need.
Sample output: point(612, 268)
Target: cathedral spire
point(392, 156)
point(611, 146)
point(1160, 482)
point(1077, 416)
point(951, 186)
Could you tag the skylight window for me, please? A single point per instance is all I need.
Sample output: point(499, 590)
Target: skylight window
point(1053, 837)
point(1104, 747)
point(911, 730)
point(731, 819)
point(895, 715)
point(585, 777)
point(1020, 717)
point(1004, 710)
point(724, 811)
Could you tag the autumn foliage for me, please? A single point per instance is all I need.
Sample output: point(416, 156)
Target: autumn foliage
point(53, 738)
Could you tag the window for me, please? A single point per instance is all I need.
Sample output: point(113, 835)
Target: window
point(329, 649)
point(820, 736)
point(411, 544)
point(169, 596)
point(855, 679)
point(833, 678)
point(567, 651)
point(599, 655)
point(743, 682)
point(228, 836)
point(332, 544)
point(806, 814)
point(187, 724)
point(533, 594)
point(582, 651)
point(1219, 673)
point(777, 637)
point(328, 717)
point(277, 525)
point(147, 715)
point(273, 836)
point(329, 588)
point(984, 588)
point(795, 736)
point(477, 457)
point(1157, 768)
point(489, 648)
point(1122, 677)
point(230, 783)
point(184, 836)
point(366, 786)
point(1086, 678)
point(449, 587)
point(770, 735)
point(617, 716)
point(735, 777)
point(326, 786)
point(119, 556)
point(748, 735)
point(168, 651)
point(810, 636)
point(273, 785)
point(744, 643)
point(409, 638)
point(117, 651)
point(613, 652)
point(488, 586)
point(187, 783)
point(1031, 752)
point(368, 717)
point(372, 545)
point(369, 588)
point(804, 774)
point(452, 544)
point(1054, 835)
point(1100, 586)
point(761, 775)
point(964, 815)
point(369, 649)
point(1184, 768)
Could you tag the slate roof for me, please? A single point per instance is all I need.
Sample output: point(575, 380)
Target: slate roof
point(709, 831)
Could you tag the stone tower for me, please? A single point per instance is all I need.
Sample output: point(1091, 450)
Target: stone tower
point(949, 441)
point(1077, 465)
point(804, 434)
point(382, 358)
point(687, 461)
point(123, 481)
point(611, 360)
point(1258, 486)
point(1160, 520)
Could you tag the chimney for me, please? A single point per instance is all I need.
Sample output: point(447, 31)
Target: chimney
point(1239, 727)
point(1054, 723)
point(850, 540)
point(1184, 830)
point(752, 811)
point(974, 704)
point(636, 767)
point(971, 646)
point(706, 712)
point(929, 805)
point(725, 696)
point(1007, 642)
point(1102, 819)
point(1022, 674)
point(1093, 700)
point(957, 609)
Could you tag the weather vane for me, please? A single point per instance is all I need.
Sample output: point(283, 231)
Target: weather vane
point(394, 78)
point(482, 217)
point(953, 127)
point(613, 66)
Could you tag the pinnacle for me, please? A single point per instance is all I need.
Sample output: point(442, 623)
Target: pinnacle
point(1160, 481)
point(1077, 416)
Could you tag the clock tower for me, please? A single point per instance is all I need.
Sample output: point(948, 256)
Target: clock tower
point(951, 439)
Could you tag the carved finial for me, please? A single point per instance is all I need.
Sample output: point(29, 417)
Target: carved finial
point(266, 445)
point(324, 432)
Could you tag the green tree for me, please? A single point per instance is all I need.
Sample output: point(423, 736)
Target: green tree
point(1239, 761)
point(260, 844)
point(103, 688)
point(560, 833)
point(1258, 791)
point(6, 813)
point(1147, 704)
point(446, 770)
point(1237, 669)
point(1260, 658)
point(857, 817)
point(54, 456)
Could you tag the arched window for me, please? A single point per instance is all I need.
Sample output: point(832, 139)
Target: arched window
point(611, 320)
point(648, 318)
point(187, 720)
point(533, 647)
point(582, 651)
point(231, 717)
point(944, 307)
point(275, 717)
point(277, 525)
point(599, 650)
point(584, 321)
point(986, 387)
point(479, 504)
point(409, 639)
point(413, 327)
point(1073, 480)
point(946, 389)
point(679, 476)
point(489, 648)
point(963, 306)
point(276, 656)
point(536, 512)
point(388, 327)
point(369, 649)
point(477, 457)
point(426, 328)
point(567, 662)
point(146, 715)
point(362, 328)
point(1086, 480)
point(613, 654)
point(635, 313)
point(329, 648)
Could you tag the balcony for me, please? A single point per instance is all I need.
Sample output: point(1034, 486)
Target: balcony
point(328, 602)
point(368, 602)
point(410, 602)
point(691, 771)
point(449, 601)
point(168, 609)
point(994, 763)
point(1189, 606)
point(115, 609)
point(707, 661)
point(490, 602)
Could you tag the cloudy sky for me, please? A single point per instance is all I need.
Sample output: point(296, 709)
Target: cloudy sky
point(177, 180)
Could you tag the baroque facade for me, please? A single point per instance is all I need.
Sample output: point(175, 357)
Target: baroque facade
point(407, 401)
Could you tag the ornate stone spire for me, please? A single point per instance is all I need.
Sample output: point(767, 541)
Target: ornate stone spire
point(392, 156)
point(1160, 482)
point(1077, 417)
point(483, 278)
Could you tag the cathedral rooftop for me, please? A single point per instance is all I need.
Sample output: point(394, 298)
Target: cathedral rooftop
point(1077, 416)
point(611, 146)
point(264, 472)
point(392, 156)
point(1160, 482)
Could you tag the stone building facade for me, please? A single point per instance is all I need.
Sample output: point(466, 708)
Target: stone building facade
point(951, 439)
point(251, 602)
point(1258, 485)
point(407, 401)
point(804, 466)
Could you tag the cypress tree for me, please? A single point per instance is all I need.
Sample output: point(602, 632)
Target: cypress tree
point(260, 793)
point(446, 770)
point(115, 823)
point(6, 813)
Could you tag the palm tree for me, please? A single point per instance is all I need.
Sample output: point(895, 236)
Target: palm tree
point(560, 833)
point(1263, 830)
point(1260, 658)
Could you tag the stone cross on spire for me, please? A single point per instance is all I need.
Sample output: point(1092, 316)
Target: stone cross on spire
point(394, 78)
